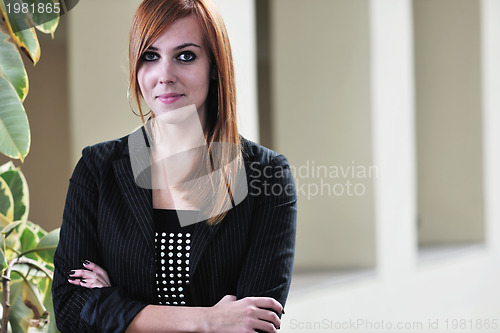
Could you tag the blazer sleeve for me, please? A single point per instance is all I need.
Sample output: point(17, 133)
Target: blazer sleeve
point(267, 268)
point(78, 309)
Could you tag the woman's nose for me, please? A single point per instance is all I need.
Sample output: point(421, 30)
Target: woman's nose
point(165, 80)
point(167, 73)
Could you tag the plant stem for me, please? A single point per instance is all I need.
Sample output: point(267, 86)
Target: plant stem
point(6, 303)
point(6, 296)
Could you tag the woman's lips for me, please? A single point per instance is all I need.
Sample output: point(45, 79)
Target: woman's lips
point(169, 98)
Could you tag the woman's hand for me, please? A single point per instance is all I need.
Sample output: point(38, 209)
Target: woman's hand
point(92, 276)
point(245, 315)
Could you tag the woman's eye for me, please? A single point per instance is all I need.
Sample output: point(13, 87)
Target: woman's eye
point(149, 56)
point(186, 56)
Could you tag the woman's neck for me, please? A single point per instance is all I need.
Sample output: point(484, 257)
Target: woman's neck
point(174, 138)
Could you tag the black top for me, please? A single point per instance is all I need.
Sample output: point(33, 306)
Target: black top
point(172, 247)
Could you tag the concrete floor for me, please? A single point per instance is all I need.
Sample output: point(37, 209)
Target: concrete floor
point(451, 289)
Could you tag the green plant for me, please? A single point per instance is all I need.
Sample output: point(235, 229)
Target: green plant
point(26, 250)
point(26, 259)
point(14, 86)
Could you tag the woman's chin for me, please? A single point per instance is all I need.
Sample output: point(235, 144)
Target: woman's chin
point(177, 115)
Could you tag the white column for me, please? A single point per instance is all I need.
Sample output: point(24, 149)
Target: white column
point(392, 87)
point(490, 28)
point(239, 18)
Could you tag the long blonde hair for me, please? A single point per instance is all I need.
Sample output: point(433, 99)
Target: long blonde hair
point(150, 20)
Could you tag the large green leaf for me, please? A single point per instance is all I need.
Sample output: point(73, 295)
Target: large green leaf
point(12, 234)
point(13, 242)
point(29, 240)
point(46, 247)
point(19, 314)
point(27, 313)
point(6, 204)
point(4, 220)
point(31, 234)
point(14, 127)
point(47, 302)
point(20, 193)
point(11, 64)
point(26, 39)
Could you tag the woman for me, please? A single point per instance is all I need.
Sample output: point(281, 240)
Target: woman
point(171, 237)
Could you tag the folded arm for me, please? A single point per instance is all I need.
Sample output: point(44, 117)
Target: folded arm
point(80, 309)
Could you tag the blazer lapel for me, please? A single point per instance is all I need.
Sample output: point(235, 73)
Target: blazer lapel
point(138, 198)
point(202, 235)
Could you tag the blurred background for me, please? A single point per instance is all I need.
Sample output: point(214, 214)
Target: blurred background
point(389, 114)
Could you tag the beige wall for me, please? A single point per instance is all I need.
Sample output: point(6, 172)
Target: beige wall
point(449, 121)
point(98, 71)
point(321, 104)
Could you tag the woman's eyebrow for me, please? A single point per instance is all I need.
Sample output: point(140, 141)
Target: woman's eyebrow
point(182, 46)
point(186, 45)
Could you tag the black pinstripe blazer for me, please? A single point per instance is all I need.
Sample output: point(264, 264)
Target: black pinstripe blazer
point(108, 220)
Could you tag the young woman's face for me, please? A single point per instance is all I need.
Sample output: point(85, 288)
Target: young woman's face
point(175, 71)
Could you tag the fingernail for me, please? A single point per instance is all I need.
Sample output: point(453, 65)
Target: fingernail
point(70, 273)
point(283, 311)
point(85, 262)
point(71, 278)
point(82, 280)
